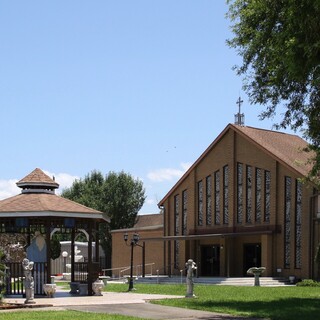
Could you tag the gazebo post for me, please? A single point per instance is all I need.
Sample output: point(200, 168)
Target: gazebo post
point(90, 264)
point(73, 235)
point(97, 242)
point(47, 228)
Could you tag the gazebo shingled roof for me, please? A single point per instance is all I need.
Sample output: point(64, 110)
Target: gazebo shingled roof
point(38, 199)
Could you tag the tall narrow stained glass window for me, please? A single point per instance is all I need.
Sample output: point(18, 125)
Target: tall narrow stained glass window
point(217, 197)
point(287, 221)
point(267, 195)
point(184, 211)
point(226, 194)
point(176, 215)
point(239, 192)
point(208, 200)
point(298, 221)
point(200, 203)
point(258, 194)
point(176, 230)
point(249, 194)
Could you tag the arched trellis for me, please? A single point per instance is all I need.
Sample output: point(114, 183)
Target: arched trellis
point(80, 230)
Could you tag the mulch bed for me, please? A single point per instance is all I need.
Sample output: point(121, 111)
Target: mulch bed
point(8, 306)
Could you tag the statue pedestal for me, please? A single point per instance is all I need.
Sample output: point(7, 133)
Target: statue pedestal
point(29, 297)
point(257, 273)
point(83, 289)
point(74, 287)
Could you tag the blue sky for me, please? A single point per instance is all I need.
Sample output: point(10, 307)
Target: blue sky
point(142, 86)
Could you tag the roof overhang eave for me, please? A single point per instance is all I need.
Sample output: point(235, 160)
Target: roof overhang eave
point(59, 214)
point(210, 235)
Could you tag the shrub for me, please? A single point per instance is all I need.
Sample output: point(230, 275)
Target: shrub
point(308, 283)
point(2, 274)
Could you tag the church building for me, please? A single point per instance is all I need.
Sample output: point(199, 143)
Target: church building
point(244, 203)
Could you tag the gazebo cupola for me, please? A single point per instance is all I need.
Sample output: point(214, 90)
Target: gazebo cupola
point(37, 182)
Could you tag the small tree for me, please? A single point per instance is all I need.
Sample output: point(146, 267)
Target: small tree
point(119, 195)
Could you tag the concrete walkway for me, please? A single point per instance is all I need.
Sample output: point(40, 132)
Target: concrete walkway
point(127, 303)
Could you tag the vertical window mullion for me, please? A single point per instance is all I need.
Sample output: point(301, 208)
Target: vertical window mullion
point(287, 222)
point(239, 192)
point(217, 197)
point(258, 186)
point(225, 194)
point(208, 200)
point(249, 194)
point(200, 203)
point(176, 230)
point(184, 212)
point(267, 190)
point(298, 222)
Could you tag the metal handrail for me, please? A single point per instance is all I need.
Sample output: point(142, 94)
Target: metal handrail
point(140, 266)
point(126, 268)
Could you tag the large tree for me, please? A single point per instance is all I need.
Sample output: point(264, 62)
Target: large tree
point(118, 194)
point(279, 42)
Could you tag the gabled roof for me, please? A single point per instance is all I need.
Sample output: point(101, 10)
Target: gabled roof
point(286, 148)
point(149, 220)
point(145, 222)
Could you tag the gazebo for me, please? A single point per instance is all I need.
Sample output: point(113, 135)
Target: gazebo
point(35, 214)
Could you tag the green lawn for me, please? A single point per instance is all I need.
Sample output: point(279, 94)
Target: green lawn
point(276, 303)
point(61, 315)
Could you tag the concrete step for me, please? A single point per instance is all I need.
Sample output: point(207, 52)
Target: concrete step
point(245, 281)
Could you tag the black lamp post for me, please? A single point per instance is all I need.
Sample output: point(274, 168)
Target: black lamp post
point(133, 242)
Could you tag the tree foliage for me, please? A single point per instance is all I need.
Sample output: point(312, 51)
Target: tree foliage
point(55, 247)
point(279, 42)
point(117, 194)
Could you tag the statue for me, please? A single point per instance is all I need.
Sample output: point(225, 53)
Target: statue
point(28, 280)
point(190, 266)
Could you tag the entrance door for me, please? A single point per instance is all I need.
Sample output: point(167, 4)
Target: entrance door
point(210, 261)
point(252, 256)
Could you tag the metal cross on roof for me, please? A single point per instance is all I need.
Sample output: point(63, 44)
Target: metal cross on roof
point(239, 102)
point(239, 117)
